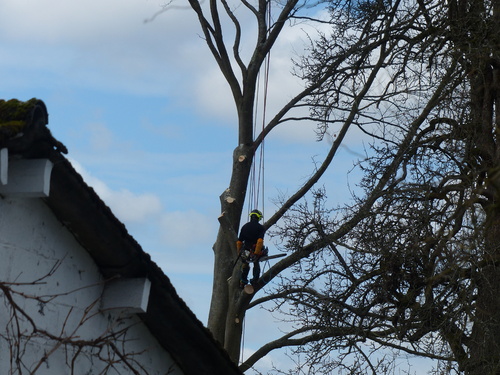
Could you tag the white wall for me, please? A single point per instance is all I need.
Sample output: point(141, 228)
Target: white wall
point(56, 287)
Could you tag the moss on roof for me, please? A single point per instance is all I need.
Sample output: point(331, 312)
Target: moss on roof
point(14, 115)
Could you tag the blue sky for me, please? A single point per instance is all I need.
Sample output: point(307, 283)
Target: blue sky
point(149, 122)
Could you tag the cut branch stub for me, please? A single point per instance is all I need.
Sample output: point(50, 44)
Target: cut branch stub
point(226, 197)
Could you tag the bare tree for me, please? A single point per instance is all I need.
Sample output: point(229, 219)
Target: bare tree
point(412, 265)
point(228, 307)
point(382, 59)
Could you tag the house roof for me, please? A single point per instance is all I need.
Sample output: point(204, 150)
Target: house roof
point(24, 132)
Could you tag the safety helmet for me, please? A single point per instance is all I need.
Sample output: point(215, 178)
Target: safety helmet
point(257, 214)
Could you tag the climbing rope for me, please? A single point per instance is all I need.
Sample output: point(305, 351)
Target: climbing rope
point(257, 183)
point(242, 347)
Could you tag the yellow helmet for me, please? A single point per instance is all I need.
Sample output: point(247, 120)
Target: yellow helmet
point(257, 214)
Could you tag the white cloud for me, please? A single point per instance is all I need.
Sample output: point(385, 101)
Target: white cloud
point(187, 230)
point(107, 46)
point(97, 44)
point(130, 207)
point(126, 205)
point(215, 99)
point(214, 96)
point(56, 21)
point(101, 138)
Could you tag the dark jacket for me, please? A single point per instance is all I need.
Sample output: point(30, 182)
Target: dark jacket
point(251, 232)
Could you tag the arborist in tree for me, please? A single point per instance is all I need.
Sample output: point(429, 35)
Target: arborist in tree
point(250, 247)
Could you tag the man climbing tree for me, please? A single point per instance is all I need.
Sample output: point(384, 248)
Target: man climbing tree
point(228, 307)
point(250, 246)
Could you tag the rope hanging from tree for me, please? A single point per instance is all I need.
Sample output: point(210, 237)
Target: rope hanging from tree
point(257, 183)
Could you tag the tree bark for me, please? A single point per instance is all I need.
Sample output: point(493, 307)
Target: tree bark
point(238, 304)
point(485, 339)
point(484, 347)
point(484, 354)
point(232, 203)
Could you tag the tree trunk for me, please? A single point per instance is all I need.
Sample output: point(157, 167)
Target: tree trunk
point(232, 203)
point(235, 316)
point(223, 260)
point(485, 340)
point(484, 355)
point(484, 347)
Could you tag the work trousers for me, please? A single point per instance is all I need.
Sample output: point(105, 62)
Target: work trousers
point(245, 269)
